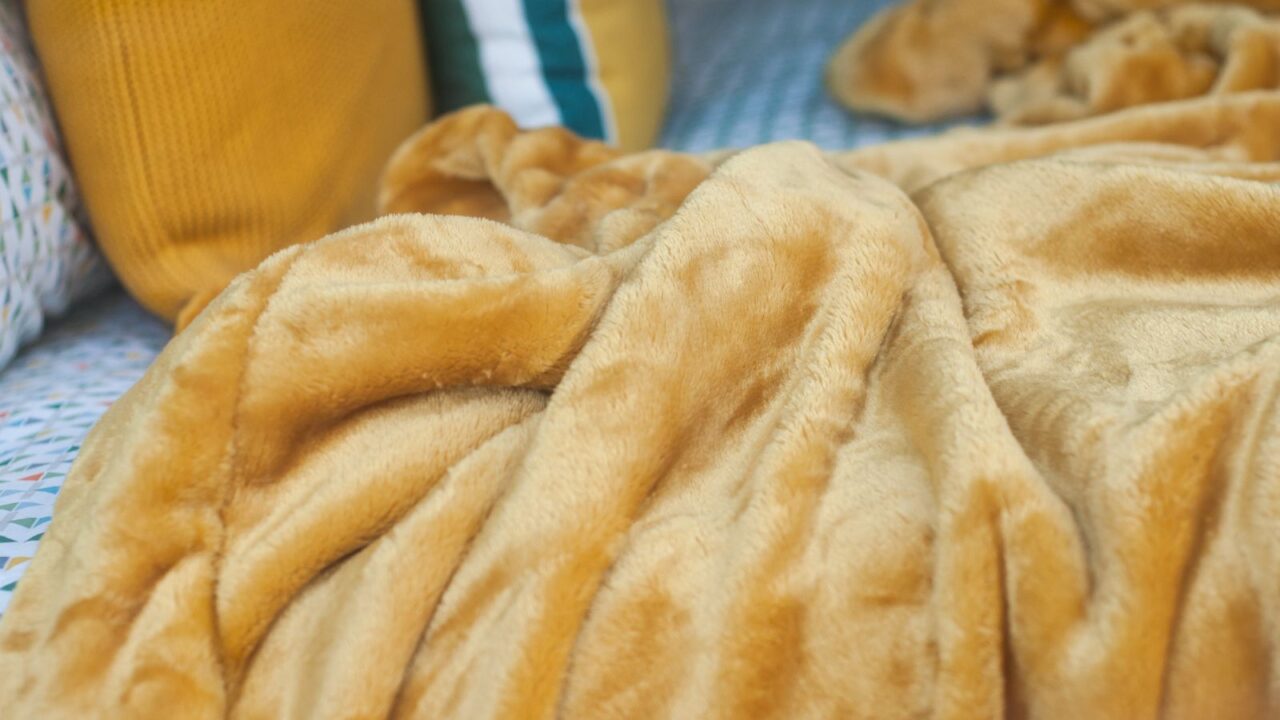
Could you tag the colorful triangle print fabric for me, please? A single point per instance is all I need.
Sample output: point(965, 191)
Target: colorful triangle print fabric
point(49, 399)
point(46, 259)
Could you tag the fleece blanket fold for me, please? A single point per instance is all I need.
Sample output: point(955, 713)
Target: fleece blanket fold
point(977, 426)
point(1040, 61)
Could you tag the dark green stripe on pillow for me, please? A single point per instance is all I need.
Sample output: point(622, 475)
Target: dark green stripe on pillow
point(454, 56)
point(564, 66)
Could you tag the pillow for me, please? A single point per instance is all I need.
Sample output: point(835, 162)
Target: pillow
point(206, 135)
point(46, 258)
point(597, 67)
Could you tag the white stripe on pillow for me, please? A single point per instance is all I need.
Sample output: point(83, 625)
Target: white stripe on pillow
point(509, 57)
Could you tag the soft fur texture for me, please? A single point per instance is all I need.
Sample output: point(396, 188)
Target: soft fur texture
point(1039, 61)
point(762, 436)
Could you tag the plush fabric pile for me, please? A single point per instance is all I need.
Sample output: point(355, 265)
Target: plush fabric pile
point(1039, 61)
point(977, 425)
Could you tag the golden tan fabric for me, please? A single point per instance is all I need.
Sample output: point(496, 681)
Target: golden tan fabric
point(206, 135)
point(928, 59)
point(1231, 134)
point(1039, 61)
point(1146, 58)
point(546, 181)
point(808, 447)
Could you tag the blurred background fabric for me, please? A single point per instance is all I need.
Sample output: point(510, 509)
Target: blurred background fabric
point(748, 72)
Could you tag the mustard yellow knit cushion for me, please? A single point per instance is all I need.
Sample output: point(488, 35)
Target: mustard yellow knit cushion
point(206, 135)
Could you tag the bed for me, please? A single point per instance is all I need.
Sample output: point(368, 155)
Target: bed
point(725, 94)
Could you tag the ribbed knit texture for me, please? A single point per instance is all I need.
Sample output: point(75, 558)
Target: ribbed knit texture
point(205, 136)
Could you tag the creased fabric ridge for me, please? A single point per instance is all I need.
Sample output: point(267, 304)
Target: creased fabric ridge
point(757, 434)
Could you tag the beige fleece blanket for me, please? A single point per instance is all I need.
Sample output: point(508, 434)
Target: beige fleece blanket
point(744, 436)
point(1041, 61)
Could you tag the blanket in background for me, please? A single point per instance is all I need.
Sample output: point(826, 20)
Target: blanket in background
point(1040, 61)
point(972, 426)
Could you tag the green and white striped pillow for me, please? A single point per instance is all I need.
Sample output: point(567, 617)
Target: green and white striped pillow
point(598, 67)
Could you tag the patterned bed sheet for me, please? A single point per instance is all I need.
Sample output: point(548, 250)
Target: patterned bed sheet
point(748, 72)
point(49, 398)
